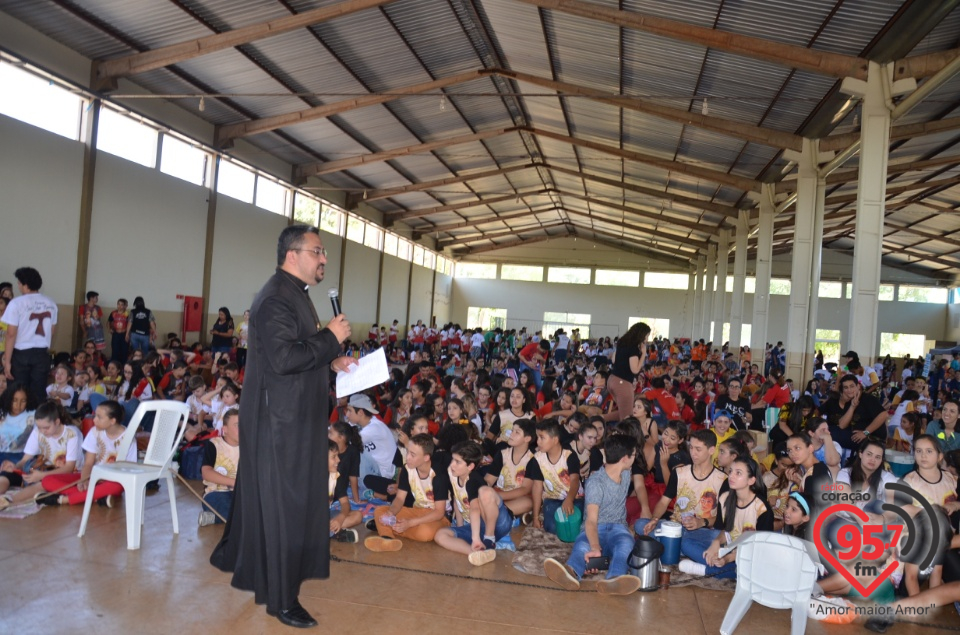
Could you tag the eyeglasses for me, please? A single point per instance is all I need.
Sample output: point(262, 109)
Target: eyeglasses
point(319, 252)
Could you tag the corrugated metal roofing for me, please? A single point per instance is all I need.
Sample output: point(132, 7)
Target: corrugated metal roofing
point(406, 43)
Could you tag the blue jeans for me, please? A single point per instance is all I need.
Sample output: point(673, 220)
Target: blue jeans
point(502, 528)
point(537, 379)
point(550, 507)
point(616, 543)
point(694, 543)
point(220, 501)
point(140, 342)
point(560, 355)
point(118, 348)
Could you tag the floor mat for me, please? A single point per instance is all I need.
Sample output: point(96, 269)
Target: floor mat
point(537, 545)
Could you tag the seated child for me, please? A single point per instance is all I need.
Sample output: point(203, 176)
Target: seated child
point(507, 473)
point(481, 519)
point(17, 406)
point(555, 472)
point(60, 389)
point(605, 531)
point(695, 488)
point(56, 447)
point(420, 507)
point(199, 413)
point(221, 456)
point(101, 446)
point(743, 507)
point(220, 400)
point(345, 517)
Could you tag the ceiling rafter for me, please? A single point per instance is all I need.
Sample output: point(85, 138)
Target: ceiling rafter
point(523, 242)
point(225, 135)
point(394, 217)
point(615, 241)
point(443, 244)
point(897, 133)
point(680, 240)
point(316, 169)
point(354, 198)
point(105, 73)
point(792, 56)
point(473, 222)
point(689, 169)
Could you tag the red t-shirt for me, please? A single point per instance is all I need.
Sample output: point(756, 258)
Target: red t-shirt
point(528, 351)
point(118, 321)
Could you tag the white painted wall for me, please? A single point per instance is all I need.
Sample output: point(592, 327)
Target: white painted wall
point(359, 294)
point(393, 292)
point(40, 222)
point(421, 294)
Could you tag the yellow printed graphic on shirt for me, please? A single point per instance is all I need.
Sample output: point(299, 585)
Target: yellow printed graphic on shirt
point(511, 476)
point(698, 497)
point(422, 489)
point(228, 458)
point(556, 477)
point(333, 484)
point(940, 493)
point(460, 497)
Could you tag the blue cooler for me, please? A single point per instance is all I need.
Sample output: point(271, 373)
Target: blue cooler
point(901, 463)
point(668, 534)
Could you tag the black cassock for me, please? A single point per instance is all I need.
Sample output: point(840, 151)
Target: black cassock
point(278, 531)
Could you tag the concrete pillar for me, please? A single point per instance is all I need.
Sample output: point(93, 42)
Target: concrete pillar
point(861, 336)
point(811, 189)
point(695, 303)
point(720, 296)
point(700, 331)
point(739, 281)
point(761, 298)
point(708, 290)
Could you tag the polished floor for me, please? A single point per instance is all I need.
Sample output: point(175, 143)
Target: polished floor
point(53, 582)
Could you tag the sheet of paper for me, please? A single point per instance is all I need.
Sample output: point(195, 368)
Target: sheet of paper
point(371, 371)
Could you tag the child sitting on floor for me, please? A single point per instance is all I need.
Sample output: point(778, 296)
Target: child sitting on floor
point(345, 517)
point(420, 507)
point(555, 472)
point(605, 531)
point(101, 445)
point(480, 516)
point(221, 456)
point(507, 472)
point(56, 447)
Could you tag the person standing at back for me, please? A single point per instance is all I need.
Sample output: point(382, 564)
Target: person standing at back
point(31, 318)
point(141, 327)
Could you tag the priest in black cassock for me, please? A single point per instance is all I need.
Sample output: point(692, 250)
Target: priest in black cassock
point(278, 531)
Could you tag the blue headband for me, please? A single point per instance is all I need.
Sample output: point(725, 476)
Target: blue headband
point(797, 496)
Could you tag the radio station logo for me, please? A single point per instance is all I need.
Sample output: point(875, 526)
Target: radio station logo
point(866, 553)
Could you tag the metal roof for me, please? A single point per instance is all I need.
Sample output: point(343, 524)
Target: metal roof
point(560, 158)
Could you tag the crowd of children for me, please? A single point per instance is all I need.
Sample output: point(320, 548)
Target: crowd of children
point(479, 431)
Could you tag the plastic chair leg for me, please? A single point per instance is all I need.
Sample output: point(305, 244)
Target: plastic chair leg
point(87, 505)
point(134, 504)
point(798, 618)
point(173, 504)
point(739, 606)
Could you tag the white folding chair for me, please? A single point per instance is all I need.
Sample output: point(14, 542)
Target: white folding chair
point(169, 424)
point(785, 585)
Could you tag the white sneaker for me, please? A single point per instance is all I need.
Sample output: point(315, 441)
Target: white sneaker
point(691, 567)
point(206, 518)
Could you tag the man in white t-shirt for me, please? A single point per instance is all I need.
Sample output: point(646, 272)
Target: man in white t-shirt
point(31, 318)
point(560, 350)
point(379, 445)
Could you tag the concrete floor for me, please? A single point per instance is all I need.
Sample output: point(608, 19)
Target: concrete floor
point(54, 582)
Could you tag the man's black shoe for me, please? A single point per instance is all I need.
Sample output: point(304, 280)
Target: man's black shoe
point(295, 616)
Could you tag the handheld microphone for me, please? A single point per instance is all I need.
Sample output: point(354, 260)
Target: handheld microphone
point(335, 301)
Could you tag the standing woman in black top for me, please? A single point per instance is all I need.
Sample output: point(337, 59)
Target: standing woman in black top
point(627, 364)
point(222, 333)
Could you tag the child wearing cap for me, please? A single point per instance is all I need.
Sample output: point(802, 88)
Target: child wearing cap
point(379, 445)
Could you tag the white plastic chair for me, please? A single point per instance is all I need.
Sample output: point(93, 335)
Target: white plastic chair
point(169, 424)
point(786, 585)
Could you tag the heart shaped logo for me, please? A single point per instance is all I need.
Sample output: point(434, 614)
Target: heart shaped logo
point(853, 545)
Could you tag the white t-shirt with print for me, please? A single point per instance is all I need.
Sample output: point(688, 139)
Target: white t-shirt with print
point(55, 451)
point(34, 315)
point(68, 389)
point(104, 449)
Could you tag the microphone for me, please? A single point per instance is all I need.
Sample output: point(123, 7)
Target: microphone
point(335, 301)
